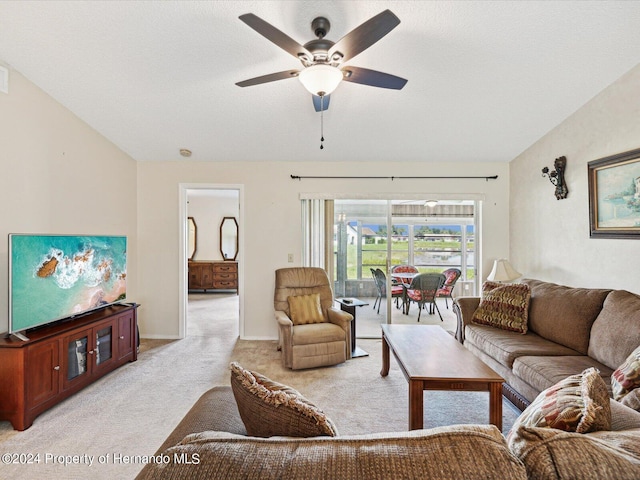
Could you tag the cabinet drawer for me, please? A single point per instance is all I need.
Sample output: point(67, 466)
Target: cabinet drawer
point(225, 284)
point(225, 268)
point(224, 276)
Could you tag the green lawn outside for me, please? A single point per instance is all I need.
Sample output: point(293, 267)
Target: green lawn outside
point(374, 256)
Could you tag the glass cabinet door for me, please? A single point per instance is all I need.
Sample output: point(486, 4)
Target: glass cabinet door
point(104, 341)
point(77, 356)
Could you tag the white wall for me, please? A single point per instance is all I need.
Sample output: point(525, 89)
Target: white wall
point(59, 176)
point(272, 225)
point(549, 237)
point(208, 210)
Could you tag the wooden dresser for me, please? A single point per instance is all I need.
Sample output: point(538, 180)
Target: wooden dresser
point(208, 275)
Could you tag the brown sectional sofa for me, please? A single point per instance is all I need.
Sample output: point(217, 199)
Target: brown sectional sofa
point(211, 443)
point(569, 330)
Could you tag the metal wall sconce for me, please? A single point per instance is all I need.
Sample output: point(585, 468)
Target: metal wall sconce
point(557, 177)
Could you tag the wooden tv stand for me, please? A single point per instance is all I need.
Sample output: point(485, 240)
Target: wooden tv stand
point(59, 360)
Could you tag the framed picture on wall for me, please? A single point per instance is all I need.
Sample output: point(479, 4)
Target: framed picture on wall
point(614, 196)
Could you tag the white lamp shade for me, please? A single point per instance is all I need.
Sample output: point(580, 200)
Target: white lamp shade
point(320, 79)
point(502, 271)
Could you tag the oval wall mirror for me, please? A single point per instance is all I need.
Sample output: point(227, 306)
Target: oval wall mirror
point(229, 238)
point(192, 237)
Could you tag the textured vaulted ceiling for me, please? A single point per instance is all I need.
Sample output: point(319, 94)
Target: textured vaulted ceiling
point(486, 79)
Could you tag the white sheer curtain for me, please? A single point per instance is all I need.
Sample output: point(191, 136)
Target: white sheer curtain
point(317, 233)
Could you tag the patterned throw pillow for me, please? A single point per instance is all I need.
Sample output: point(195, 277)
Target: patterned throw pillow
point(489, 285)
point(305, 309)
point(504, 306)
point(579, 403)
point(269, 408)
point(627, 376)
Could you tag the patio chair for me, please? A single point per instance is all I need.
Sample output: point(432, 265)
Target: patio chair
point(397, 291)
point(452, 275)
point(423, 290)
point(404, 269)
point(313, 333)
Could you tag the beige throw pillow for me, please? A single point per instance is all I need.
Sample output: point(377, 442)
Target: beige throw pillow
point(579, 403)
point(269, 408)
point(504, 306)
point(304, 309)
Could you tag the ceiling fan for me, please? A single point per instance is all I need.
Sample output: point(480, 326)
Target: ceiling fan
point(323, 59)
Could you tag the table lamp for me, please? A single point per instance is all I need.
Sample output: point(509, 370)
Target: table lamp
point(502, 271)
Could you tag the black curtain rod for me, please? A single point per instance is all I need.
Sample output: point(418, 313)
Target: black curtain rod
point(298, 177)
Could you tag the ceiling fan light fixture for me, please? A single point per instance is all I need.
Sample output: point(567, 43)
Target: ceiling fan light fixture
point(320, 79)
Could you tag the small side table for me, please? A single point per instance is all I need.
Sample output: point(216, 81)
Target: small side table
point(349, 305)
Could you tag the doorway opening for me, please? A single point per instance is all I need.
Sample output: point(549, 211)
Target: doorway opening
point(211, 220)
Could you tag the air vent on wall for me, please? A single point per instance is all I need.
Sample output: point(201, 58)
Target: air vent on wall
point(4, 79)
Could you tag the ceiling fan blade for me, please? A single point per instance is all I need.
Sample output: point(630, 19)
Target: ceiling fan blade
point(373, 78)
point(321, 105)
point(272, 77)
point(271, 33)
point(362, 37)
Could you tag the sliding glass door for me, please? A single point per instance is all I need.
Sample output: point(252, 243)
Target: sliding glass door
point(360, 243)
point(365, 235)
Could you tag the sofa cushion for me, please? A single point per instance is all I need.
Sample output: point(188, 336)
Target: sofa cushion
point(579, 403)
point(505, 346)
point(623, 417)
point(616, 331)
point(305, 309)
point(472, 452)
point(505, 307)
point(541, 371)
point(564, 314)
point(550, 454)
point(215, 410)
point(269, 408)
point(627, 376)
point(316, 333)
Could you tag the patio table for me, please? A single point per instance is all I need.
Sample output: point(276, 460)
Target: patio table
point(402, 276)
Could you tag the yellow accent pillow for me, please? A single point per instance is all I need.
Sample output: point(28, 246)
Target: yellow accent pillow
point(304, 309)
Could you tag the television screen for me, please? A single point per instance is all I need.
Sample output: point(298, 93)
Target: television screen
point(52, 277)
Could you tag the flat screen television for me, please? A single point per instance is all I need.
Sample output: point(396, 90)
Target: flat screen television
point(54, 277)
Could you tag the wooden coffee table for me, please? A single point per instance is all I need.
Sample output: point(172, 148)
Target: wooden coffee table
point(432, 359)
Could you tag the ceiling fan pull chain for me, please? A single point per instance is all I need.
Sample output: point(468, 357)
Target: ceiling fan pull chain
point(321, 121)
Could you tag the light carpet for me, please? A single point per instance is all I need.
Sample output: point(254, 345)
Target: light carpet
point(131, 411)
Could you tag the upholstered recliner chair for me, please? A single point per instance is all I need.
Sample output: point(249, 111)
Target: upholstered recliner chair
point(313, 333)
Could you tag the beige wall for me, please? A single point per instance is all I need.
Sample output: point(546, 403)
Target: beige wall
point(271, 226)
point(550, 238)
point(59, 176)
point(208, 212)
